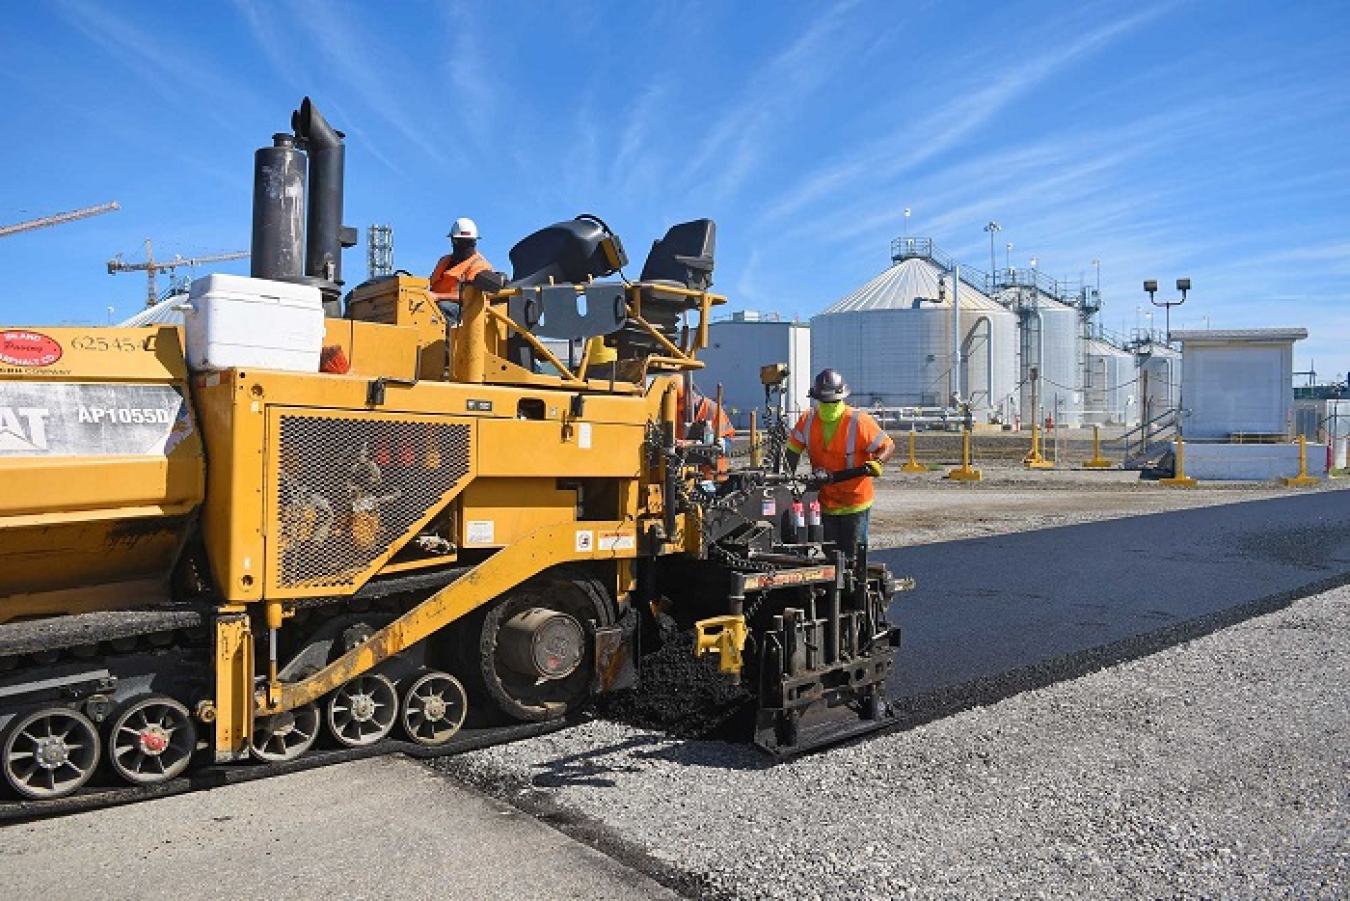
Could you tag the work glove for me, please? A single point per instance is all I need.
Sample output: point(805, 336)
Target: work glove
point(874, 468)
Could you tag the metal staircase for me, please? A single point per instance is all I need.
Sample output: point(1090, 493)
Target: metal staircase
point(1144, 444)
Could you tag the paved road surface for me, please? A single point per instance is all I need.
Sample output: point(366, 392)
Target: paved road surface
point(986, 606)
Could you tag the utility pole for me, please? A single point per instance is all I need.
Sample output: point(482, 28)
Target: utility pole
point(993, 228)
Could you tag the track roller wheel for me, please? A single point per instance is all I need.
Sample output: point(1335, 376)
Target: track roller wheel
point(286, 735)
point(152, 740)
point(363, 711)
point(530, 652)
point(433, 708)
point(50, 753)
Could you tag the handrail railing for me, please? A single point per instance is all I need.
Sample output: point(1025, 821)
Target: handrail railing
point(1139, 439)
point(1065, 291)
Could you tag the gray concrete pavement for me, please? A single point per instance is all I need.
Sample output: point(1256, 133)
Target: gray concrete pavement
point(380, 828)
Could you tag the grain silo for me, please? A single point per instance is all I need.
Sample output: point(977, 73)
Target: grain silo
point(902, 342)
point(1049, 349)
point(1159, 385)
point(1109, 388)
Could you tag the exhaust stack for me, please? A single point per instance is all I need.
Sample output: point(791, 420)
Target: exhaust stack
point(298, 235)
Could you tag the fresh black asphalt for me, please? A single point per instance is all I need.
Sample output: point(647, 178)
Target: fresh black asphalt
point(994, 616)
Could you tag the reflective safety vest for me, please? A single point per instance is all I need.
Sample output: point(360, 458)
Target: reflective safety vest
point(704, 411)
point(856, 440)
point(447, 278)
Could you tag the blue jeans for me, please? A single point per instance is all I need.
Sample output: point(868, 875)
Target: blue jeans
point(847, 530)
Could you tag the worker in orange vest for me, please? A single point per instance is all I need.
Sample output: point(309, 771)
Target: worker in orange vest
point(846, 448)
point(705, 409)
point(461, 264)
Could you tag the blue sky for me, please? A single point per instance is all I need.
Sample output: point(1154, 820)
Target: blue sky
point(1202, 139)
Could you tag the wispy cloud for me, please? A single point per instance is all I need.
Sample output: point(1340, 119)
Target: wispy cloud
point(742, 135)
point(332, 40)
point(967, 107)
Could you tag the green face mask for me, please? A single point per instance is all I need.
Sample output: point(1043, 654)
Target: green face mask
point(830, 411)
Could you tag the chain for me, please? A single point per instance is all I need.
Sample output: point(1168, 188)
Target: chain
point(736, 561)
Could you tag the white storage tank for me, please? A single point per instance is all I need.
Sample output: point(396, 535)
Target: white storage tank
point(893, 341)
point(1109, 384)
point(1050, 340)
point(739, 346)
point(1159, 387)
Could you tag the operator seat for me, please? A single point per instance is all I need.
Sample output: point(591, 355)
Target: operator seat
point(546, 265)
point(684, 257)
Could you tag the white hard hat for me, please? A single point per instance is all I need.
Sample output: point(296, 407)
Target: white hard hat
point(464, 228)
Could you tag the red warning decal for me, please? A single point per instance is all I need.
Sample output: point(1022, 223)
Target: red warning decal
point(25, 348)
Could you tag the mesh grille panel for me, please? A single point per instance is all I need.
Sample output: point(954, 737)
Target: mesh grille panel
point(348, 488)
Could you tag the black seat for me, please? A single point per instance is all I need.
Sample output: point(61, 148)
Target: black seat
point(573, 251)
point(683, 256)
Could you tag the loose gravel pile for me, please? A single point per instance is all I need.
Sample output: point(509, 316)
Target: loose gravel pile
point(1218, 768)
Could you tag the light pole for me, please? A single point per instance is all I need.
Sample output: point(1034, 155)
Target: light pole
point(1007, 256)
point(906, 222)
point(1097, 265)
point(110, 312)
point(992, 228)
point(1151, 286)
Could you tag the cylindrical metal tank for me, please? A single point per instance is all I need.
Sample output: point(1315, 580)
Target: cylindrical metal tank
point(1109, 386)
point(278, 211)
point(1049, 341)
point(1159, 369)
point(893, 341)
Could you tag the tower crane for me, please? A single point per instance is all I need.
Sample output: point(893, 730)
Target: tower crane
point(151, 266)
point(59, 218)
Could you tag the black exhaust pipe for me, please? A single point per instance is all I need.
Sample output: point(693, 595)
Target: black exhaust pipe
point(327, 159)
point(278, 211)
point(298, 235)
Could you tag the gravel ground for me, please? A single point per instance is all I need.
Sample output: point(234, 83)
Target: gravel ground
point(1217, 768)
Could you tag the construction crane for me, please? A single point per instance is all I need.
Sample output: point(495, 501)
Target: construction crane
point(59, 218)
point(152, 266)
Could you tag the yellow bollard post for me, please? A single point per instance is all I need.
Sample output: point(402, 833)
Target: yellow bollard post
point(965, 473)
point(913, 465)
point(1097, 461)
point(1033, 459)
point(1302, 478)
point(756, 452)
point(1180, 480)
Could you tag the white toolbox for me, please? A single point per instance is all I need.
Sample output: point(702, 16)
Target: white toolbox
point(232, 321)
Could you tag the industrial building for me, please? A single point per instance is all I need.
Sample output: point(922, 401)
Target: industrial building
point(739, 346)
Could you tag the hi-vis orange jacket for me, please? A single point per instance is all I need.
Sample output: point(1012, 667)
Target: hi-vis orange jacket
point(446, 279)
point(704, 411)
point(856, 440)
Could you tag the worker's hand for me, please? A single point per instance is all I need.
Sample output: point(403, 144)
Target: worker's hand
point(874, 468)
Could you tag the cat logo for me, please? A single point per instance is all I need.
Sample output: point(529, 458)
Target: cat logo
point(23, 429)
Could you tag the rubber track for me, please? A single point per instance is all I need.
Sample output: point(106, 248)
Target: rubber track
point(218, 775)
